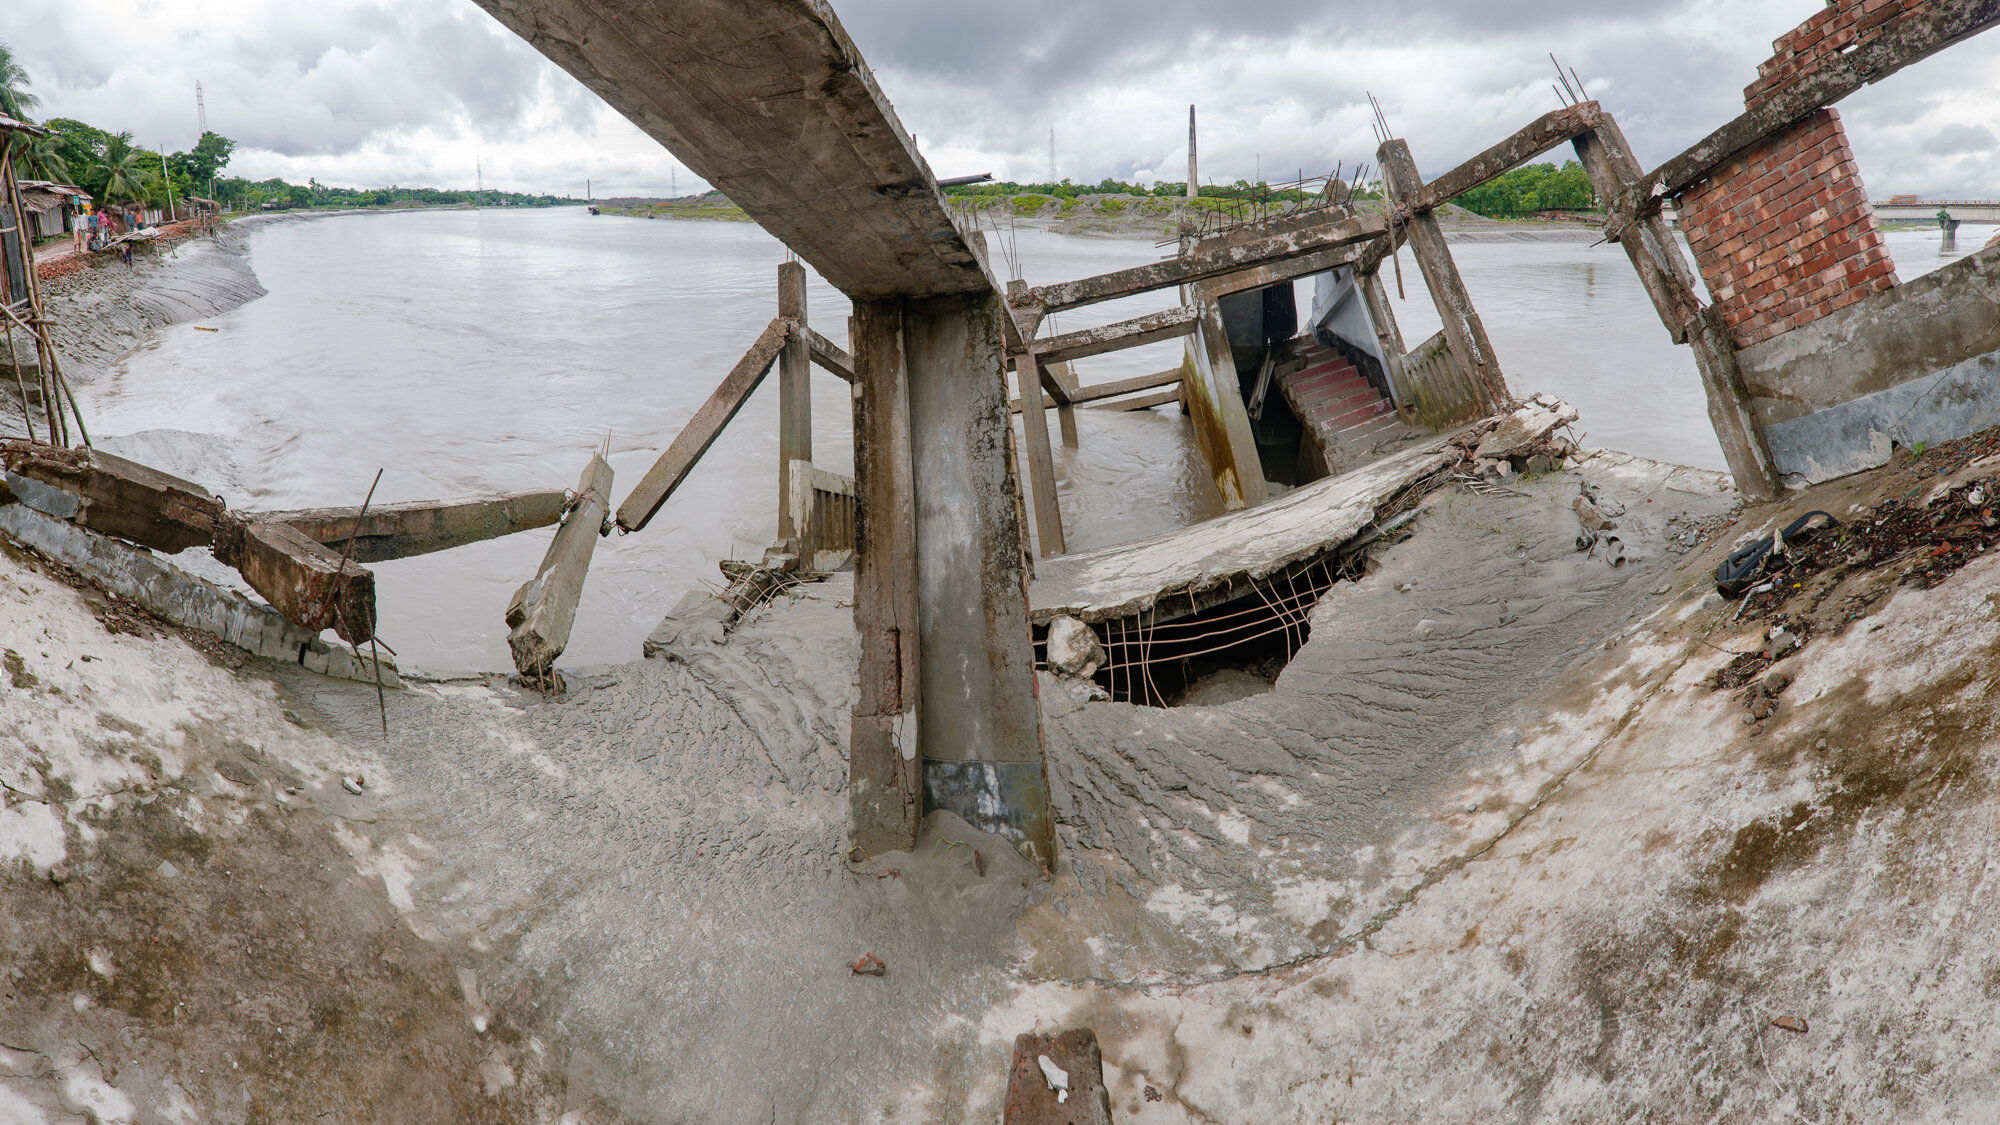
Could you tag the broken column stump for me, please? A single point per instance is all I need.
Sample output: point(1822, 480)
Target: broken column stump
point(543, 609)
point(312, 586)
point(1080, 1065)
point(108, 494)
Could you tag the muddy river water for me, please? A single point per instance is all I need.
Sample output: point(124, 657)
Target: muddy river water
point(465, 352)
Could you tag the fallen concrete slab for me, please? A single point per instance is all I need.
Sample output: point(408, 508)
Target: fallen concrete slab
point(311, 585)
point(171, 594)
point(1120, 581)
point(107, 493)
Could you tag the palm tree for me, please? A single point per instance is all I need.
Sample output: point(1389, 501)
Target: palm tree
point(38, 158)
point(122, 176)
point(15, 100)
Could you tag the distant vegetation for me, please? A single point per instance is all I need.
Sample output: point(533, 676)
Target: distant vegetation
point(711, 205)
point(1168, 189)
point(116, 170)
point(1531, 188)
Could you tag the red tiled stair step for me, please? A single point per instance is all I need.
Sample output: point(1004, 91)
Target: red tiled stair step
point(1328, 383)
point(1317, 369)
point(1333, 406)
point(1360, 414)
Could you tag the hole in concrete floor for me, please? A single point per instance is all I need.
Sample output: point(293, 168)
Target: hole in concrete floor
point(1221, 652)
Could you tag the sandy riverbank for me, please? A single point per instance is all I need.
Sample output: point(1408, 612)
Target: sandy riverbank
point(1492, 843)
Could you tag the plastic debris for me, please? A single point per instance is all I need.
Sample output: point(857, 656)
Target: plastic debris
point(1057, 1077)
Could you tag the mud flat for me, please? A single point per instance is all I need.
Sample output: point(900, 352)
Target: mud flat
point(1492, 839)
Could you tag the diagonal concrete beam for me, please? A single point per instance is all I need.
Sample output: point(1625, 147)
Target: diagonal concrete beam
point(398, 531)
point(1232, 257)
point(701, 431)
point(1541, 135)
point(769, 101)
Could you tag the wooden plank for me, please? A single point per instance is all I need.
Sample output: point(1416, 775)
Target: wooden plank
point(542, 611)
point(113, 496)
point(1215, 262)
point(830, 356)
point(694, 439)
point(1041, 464)
point(1141, 402)
point(301, 579)
point(1167, 324)
point(1540, 135)
point(794, 391)
point(418, 527)
point(1907, 40)
point(884, 770)
point(1469, 344)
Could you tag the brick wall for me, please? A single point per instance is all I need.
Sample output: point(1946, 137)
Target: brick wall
point(1783, 234)
point(1831, 30)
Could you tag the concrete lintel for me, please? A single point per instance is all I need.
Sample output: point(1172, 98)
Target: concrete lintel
point(418, 527)
point(1539, 136)
point(1167, 324)
point(1231, 257)
point(771, 102)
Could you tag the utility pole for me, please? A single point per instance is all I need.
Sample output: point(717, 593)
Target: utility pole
point(1192, 180)
point(1052, 154)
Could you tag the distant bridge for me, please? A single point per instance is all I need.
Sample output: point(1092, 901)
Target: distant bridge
point(1964, 210)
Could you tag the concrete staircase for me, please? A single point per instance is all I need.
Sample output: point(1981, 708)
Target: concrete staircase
point(1344, 411)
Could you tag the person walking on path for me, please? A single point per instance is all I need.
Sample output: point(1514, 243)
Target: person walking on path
point(79, 229)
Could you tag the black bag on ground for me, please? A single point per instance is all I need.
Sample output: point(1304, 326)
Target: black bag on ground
point(1745, 565)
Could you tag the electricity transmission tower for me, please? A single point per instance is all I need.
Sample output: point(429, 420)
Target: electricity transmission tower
point(200, 112)
point(1052, 154)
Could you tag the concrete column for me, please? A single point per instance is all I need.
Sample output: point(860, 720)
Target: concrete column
point(795, 441)
point(1192, 189)
point(1216, 410)
point(1663, 271)
point(884, 772)
point(1041, 459)
point(1066, 411)
point(980, 724)
point(1467, 336)
point(1388, 334)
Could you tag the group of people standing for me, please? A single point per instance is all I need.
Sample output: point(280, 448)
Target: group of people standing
point(94, 230)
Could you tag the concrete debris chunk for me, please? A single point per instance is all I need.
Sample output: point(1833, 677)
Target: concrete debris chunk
point(1074, 649)
point(1783, 642)
point(111, 495)
point(1519, 434)
point(1790, 1023)
point(1057, 1080)
point(543, 609)
point(869, 966)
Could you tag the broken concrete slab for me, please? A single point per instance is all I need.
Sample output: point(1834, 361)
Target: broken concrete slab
point(1251, 544)
point(1057, 1080)
point(1523, 431)
point(173, 595)
point(397, 531)
point(109, 494)
point(543, 609)
point(312, 586)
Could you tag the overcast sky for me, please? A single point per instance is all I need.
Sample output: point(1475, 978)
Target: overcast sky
point(370, 92)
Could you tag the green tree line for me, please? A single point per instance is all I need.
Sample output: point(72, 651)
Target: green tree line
point(1241, 189)
point(116, 171)
point(1533, 187)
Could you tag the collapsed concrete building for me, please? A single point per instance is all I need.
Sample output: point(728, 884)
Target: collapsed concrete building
point(1815, 363)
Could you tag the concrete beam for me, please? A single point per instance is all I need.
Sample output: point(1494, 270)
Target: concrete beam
point(828, 355)
point(1232, 257)
point(419, 527)
point(1168, 378)
point(1167, 324)
point(1041, 461)
point(1909, 39)
point(769, 101)
point(1469, 345)
point(795, 420)
point(1540, 135)
point(540, 614)
point(1141, 402)
point(1291, 269)
point(1663, 272)
point(311, 585)
point(701, 431)
point(108, 494)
